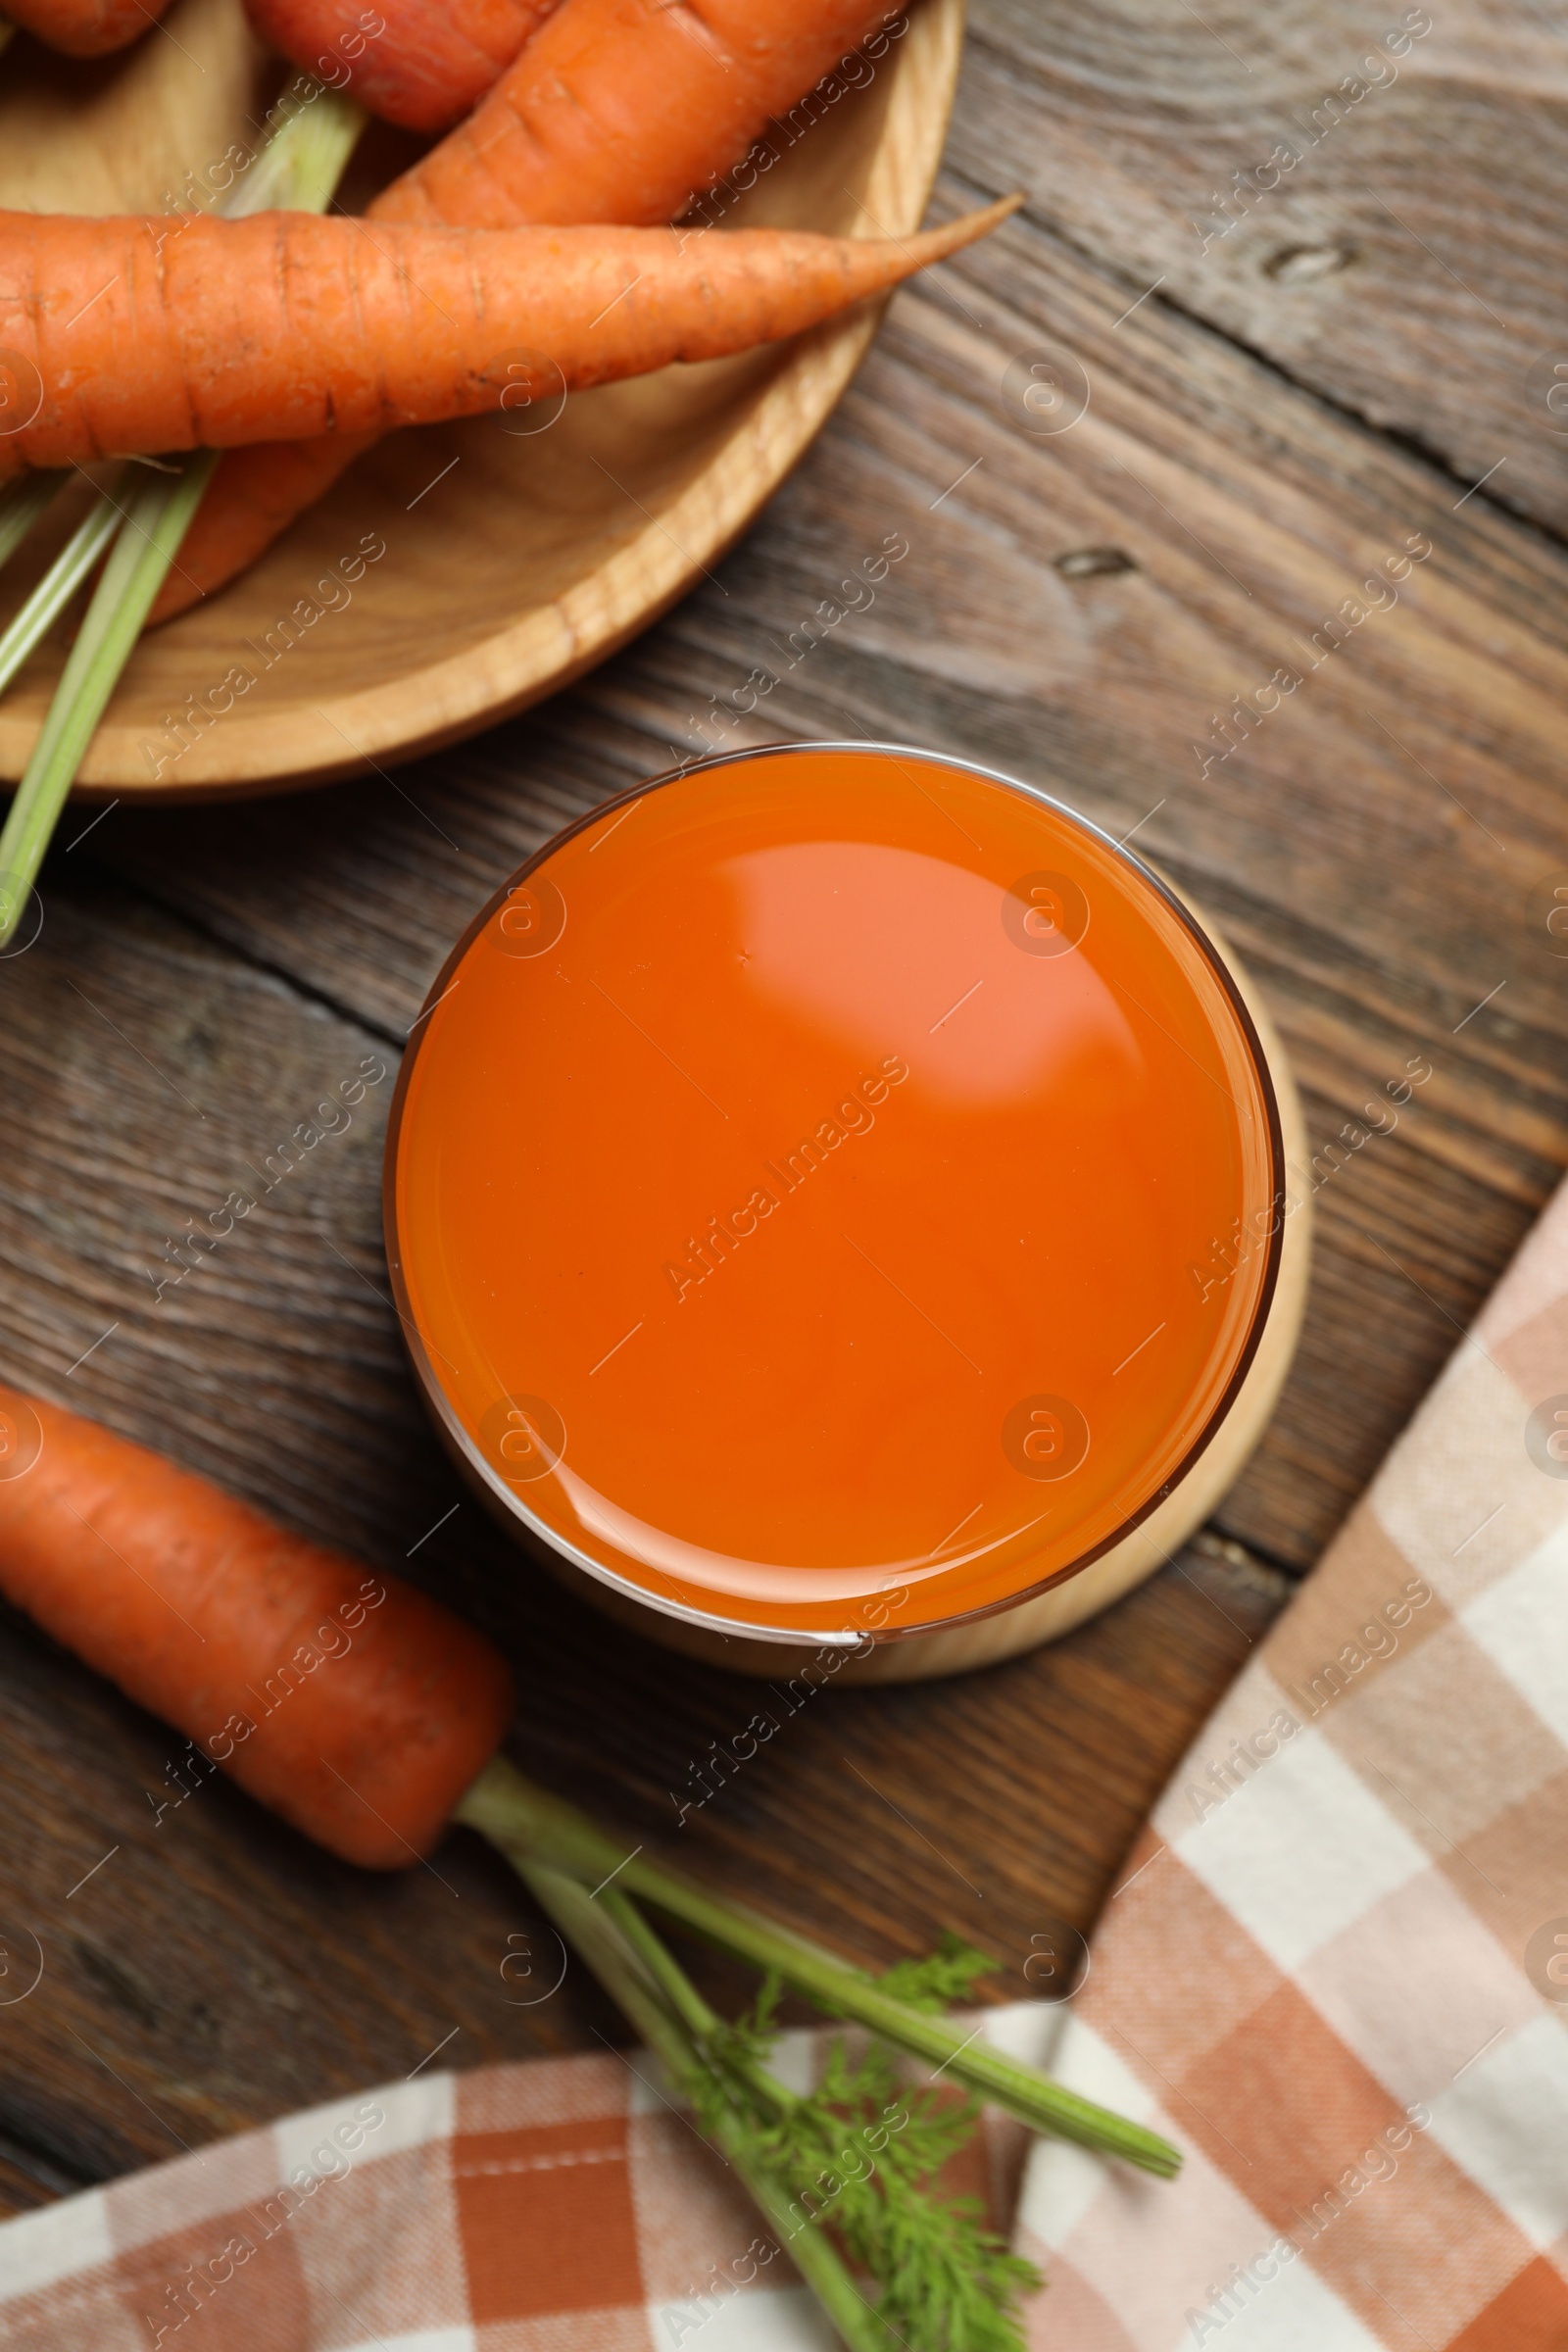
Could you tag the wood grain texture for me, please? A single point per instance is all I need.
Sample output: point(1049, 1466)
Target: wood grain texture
point(1370, 849)
point(515, 553)
point(120, 134)
point(1403, 265)
point(1075, 608)
point(213, 1968)
point(218, 1971)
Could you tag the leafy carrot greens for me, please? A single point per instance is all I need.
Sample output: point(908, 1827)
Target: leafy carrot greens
point(847, 2166)
point(859, 2156)
point(844, 2174)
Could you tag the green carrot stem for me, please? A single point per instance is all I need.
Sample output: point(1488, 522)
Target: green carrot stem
point(595, 1937)
point(300, 166)
point(700, 2021)
point(22, 502)
point(530, 1825)
point(599, 1935)
point(69, 570)
point(659, 1962)
point(155, 523)
point(300, 169)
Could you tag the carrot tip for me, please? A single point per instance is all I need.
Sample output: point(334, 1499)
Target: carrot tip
point(935, 244)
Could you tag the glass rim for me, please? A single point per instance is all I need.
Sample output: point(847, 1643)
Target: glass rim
point(838, 1638)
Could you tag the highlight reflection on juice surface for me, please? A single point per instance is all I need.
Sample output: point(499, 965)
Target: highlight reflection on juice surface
point(833, 1188)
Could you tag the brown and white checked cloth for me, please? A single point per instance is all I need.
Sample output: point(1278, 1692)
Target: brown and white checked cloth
point(1336, 1970)
point(556, 2206)
point(1336, 1964)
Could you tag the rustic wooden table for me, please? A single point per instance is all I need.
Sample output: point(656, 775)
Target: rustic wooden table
point(1295, 370)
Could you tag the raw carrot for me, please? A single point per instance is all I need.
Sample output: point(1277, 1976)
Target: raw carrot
point(622, 110)
point(85, 27)
point(423, 64)
point(349, 1702)
point(616, 110)
point(367, 1716)
point(137, 341)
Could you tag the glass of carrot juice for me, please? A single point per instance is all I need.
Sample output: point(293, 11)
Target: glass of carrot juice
point(834, 1195)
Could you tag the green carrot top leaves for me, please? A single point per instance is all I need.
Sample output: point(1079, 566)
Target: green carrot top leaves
point(859, 2156)
point(944, 1979)
point(846, 2177)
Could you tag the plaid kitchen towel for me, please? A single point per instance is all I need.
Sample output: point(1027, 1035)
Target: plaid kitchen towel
point(561, 2205)
point(1336, 1965)
point(1335, 1969)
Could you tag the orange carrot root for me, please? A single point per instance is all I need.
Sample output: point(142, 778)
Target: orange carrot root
point(622, 110)
point(615, 110)
point(224, 333)
point(423, 64)
point(349, 1702)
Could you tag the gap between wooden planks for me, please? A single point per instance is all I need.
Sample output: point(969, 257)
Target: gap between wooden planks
point(1370, 849)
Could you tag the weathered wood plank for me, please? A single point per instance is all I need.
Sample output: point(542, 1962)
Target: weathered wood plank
point(1397, 249)
point(1077, 606)
point(207, 1968)
point(217, 1970)
point(1370, 842)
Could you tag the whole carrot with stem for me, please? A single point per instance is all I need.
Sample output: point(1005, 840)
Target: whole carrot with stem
point(299, 169)
point(300, 165)
point(348, 1702)
point(422, 64)
point(616, 111)
point(286, 324)
point(184, 1596)
point(369, 325)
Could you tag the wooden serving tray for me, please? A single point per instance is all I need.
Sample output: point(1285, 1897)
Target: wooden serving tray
point(512, 561)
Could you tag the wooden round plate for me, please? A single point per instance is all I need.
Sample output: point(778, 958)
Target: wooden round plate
point(512, 560)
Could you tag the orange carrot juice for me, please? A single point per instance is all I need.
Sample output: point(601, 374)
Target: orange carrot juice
point(832, 1190)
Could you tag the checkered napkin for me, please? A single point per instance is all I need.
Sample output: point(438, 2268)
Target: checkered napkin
point(562, 2205)
point(1336, 1965)
point(1333, 1970)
